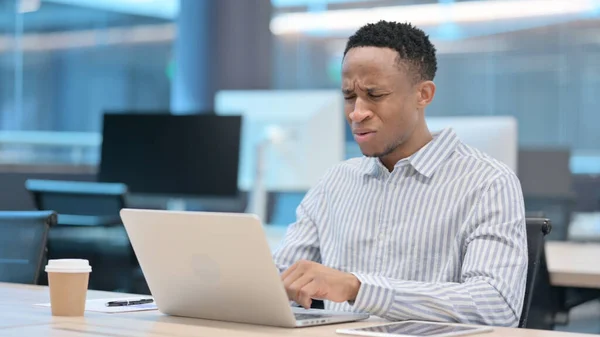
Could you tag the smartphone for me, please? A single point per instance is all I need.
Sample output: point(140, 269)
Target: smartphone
point(416, 329)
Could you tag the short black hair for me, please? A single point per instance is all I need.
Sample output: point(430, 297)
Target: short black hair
point(411, 43)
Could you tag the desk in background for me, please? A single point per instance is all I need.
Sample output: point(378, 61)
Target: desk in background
point(573, 264)
point(585, 227)
point(18, 317)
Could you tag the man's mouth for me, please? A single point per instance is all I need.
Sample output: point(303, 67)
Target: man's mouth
point(363, 135)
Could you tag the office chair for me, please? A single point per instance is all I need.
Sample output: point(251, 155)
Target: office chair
point(89, 227)
point(541, 302)
point(78, 198)
point(15, 197)
point(23, 236)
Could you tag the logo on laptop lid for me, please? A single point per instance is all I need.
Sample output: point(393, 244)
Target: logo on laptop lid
point(206, 269)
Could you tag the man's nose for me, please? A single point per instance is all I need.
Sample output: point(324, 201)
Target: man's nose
point(360, 112)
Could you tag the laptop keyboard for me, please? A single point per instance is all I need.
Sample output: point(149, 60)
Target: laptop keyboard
point(300, 317)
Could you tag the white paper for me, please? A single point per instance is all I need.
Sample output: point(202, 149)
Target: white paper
point(99, 305)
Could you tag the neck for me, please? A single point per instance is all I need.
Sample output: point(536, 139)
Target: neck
point(419, 138)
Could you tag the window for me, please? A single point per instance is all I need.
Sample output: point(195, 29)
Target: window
point(541, 66)
point(64, 62)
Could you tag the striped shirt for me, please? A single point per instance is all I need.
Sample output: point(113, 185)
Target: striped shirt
point(442, 237)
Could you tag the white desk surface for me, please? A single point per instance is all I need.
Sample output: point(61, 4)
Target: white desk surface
point(18, 317)
point(571, 264)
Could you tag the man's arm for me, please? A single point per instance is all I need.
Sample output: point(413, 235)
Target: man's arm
point(493, 272)
point(301, 241)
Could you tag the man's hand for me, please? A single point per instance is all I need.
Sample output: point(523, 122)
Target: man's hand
point(306, 280)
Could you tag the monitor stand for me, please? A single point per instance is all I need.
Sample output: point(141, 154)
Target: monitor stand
point(258, 202)
point(257, 198)
point(176, 204)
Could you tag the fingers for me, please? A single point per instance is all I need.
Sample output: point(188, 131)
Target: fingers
point(300, 265)
point(294, 272)
point(288, 271)
point(306, 280)
point(307, 293)
point(300, 282)
point(294, 282)
point(294, 288)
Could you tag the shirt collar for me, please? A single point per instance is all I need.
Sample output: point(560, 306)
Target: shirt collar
point(429, 158)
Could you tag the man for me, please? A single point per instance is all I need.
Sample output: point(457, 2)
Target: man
point(421, 227)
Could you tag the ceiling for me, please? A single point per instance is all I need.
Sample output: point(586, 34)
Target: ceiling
point(70, 15)
point(164, 9)
point(55, 16)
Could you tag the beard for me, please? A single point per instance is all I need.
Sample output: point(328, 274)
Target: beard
point(386, 151)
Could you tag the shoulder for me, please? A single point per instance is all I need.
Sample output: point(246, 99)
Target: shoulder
point(484, 169)
point(477, 161)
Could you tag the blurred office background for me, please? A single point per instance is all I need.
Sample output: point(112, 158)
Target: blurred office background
point(65, 63)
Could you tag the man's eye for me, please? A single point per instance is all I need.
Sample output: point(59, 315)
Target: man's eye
point(349, 97)
point(375, 96)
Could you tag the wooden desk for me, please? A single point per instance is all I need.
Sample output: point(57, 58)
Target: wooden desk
point(19, 318)
point(573, 264)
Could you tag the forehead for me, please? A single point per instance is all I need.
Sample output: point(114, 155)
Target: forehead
point(371, 64)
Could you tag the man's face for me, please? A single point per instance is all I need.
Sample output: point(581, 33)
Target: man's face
point(381, 100)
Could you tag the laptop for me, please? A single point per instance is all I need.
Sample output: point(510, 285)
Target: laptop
point(216, 266)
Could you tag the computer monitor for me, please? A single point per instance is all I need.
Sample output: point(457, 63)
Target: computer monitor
point(172, 155)
point(545, 172)
point(303, 131)
point(495, 135)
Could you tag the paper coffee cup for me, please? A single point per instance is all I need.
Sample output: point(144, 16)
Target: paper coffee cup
point(68, 281)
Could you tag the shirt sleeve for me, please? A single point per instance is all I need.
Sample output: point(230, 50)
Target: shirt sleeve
point(301, 241)
point(493, 272)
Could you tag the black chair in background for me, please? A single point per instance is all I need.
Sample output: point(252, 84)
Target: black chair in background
point(587, 189)
point(88, 202)
point(23, 236)
point(541, 302)
point(89, 227)
point(547, 185)
point(15, 197)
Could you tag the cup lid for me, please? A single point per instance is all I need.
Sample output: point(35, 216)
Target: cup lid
point(68, 266)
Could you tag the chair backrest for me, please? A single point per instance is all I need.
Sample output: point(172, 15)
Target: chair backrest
point(15, 197)
point(538, 306)
point(78, 198)
point(23, 244)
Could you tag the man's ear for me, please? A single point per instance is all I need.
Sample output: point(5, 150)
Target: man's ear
point(426, 91)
